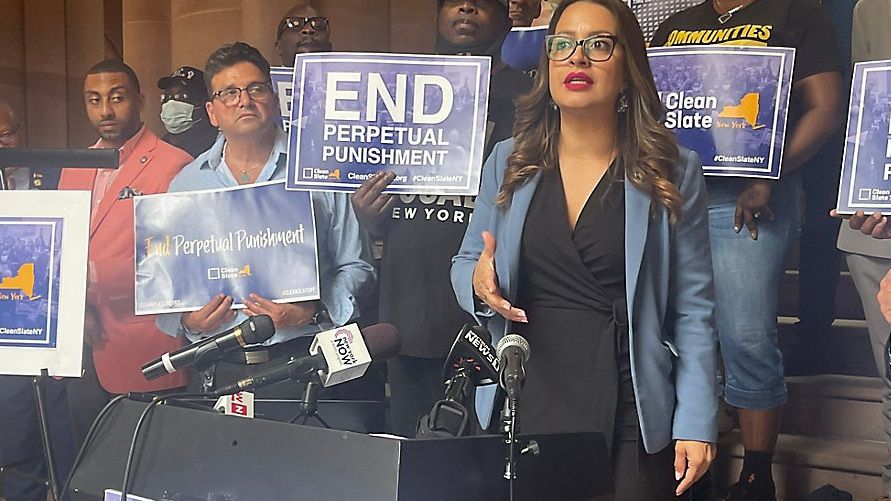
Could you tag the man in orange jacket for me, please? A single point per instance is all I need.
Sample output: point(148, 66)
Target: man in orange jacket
point(119, 341)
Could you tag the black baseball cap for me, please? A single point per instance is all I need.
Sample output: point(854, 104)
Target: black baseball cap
point(192, 79)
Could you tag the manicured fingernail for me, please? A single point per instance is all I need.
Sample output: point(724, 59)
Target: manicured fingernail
point(677, 475)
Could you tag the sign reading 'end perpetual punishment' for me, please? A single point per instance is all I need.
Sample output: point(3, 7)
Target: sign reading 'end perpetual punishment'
point(190, 246)
point(866, 168)
point(728, 104)
point(421, 117)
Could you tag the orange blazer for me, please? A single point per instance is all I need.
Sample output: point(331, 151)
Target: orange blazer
point(131, 340)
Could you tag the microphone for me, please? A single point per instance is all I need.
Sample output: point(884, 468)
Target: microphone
point(472, 350)
point(252, 331)
point(513, 351)
point(471, 361)
point(336, 356)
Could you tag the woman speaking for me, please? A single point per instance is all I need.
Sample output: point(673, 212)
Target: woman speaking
point(590, 239)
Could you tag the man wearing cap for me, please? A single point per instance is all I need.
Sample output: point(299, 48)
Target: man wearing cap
point(183, 113)
point(415, 293)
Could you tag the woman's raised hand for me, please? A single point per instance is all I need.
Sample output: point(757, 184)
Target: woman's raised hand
point(485, 283)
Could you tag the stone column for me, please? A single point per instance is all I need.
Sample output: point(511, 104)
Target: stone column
point(412, 26)
point(358, 25)
point(45, 74)
point(198, 27)
point(85, 43)
point(259, 19)
point(146, 34)
point(12, 57)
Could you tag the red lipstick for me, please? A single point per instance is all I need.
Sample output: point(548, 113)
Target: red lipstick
point(577, 81)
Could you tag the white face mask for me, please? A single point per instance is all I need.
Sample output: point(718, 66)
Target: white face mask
point(177, 116)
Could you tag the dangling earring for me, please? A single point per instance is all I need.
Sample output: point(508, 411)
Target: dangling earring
point(622, 105)
point(554, 105)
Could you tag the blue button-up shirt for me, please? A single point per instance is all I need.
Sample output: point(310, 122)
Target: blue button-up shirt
point(344, 274)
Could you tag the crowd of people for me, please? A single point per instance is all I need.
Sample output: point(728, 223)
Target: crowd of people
point(651, 290)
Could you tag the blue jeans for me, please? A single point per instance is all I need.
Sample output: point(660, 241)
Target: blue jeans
point(747, 282)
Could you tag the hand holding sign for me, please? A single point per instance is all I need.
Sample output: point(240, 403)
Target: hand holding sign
point(371, 204)
point(211, 316)
point(283, 315)
point(874, 225)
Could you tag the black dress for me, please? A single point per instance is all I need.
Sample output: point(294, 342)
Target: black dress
point(572, 286)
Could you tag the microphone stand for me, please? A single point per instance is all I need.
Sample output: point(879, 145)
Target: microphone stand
point(509, 430)
point(309, 406)
point(206, 358)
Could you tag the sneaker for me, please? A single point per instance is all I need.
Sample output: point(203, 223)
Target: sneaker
point(753, 488)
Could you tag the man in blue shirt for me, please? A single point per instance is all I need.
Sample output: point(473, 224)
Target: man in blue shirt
point(253, 149)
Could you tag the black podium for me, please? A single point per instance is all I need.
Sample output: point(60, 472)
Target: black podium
point(193, 455)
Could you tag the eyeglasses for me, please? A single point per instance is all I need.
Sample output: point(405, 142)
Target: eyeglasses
point(318, 23)
point(259, 91)
point(597, 48)
point(9, 137)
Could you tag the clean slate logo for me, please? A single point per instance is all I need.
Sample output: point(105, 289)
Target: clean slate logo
point(228, 273)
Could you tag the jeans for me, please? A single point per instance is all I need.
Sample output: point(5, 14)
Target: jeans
point(747, 282)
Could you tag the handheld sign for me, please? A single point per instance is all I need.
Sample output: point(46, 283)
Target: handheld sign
point(728, 104)
point(355, 114)
point(283, 83)
point(523, 47)
point(193, 245)
point(865, 182)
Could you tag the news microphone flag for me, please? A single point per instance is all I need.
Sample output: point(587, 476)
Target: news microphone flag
point(345, 352)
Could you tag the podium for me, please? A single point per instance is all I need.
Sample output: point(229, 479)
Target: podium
point(186, 454)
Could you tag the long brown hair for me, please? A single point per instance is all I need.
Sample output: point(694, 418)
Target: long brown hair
point(647, 149)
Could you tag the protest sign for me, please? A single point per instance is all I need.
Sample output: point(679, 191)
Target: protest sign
point(283, 83)
point(865, 182)
point(191, 246)
point(728, 104)
point(422, 117)
point(523, 47)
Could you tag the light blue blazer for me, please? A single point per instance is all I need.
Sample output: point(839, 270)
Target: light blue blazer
point(668, 283)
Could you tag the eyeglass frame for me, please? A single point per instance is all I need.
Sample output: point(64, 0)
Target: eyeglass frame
point(217, 94)
point(580, 43)
point(285, 24)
